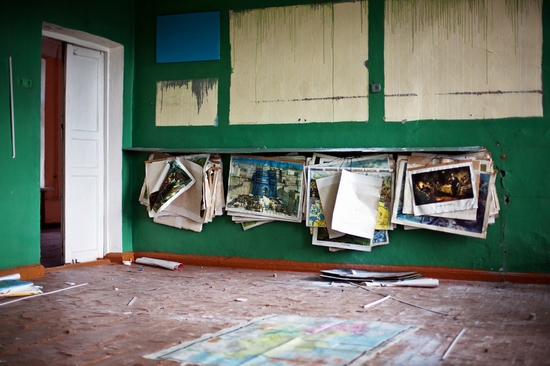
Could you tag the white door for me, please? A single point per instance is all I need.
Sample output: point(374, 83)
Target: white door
point(84, 154)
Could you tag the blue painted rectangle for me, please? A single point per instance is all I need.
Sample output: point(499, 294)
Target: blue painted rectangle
point(188, 37)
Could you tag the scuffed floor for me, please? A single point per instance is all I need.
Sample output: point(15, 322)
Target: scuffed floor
point(94, 325)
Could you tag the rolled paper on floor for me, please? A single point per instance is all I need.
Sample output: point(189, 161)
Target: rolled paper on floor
point(175, 266)
point(15, 276)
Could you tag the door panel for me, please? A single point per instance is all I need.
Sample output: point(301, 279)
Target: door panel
point(84, 154)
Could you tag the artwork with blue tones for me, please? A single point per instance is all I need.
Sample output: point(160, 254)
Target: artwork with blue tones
point(188, 37)
point(287, 340)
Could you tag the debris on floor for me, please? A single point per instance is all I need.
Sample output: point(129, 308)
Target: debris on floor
point(399, 300)
point(176, 266)
point(11, 285)
point(92, 325)
point(379, 279)
point(132, 301)
point(24, 295)
point(13, 276)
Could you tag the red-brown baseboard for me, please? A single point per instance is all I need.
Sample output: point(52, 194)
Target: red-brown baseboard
point(26, 272)
point(37, 270)
point(78, 265)
point(312, 267)
point(119, 257)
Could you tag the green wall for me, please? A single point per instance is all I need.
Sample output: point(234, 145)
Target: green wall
point(21, 37)
point(518, 242)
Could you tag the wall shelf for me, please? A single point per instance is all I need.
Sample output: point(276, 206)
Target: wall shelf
point(260, 150)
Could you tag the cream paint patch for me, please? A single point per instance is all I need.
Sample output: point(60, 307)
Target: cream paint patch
point(187, 102)
point(299, 64)
point(463, 59)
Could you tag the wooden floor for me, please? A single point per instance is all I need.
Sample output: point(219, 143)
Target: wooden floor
point(51, 246)
point(504, 324)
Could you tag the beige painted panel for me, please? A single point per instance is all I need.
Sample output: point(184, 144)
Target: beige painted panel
point(299, 64)
point(187, 102)
point(462, 63)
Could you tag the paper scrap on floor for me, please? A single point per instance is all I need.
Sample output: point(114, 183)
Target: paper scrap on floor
point(379, 279)
point(176, 266)
point(289, 340)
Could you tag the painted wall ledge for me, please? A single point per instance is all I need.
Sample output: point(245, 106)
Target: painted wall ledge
point(26, 272)
point(260, 150)
point(446, 273)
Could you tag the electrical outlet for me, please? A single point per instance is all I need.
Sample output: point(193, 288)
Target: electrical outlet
point(26, 83)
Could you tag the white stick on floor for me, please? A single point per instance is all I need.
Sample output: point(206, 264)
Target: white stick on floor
point(453, 344)
point(376, 302)
point(45, 293)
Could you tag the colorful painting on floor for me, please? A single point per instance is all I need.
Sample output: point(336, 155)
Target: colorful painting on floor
point(289, 340)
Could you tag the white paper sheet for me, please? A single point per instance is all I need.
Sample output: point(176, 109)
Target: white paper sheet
point(356, 207)
point(188, 204)
point(328, 190)
point(299, 64)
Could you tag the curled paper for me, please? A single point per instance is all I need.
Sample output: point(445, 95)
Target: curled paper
point(175, 266)
point(15, 276)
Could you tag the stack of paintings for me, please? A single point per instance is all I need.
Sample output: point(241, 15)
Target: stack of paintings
point(449, 193)
point(346, 202)
point(183, 191)
point(265, 189)
point(349, 200)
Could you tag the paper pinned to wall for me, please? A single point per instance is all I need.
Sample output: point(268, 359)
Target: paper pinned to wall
point(187, 102)
point(299, 64)
point(462, 59)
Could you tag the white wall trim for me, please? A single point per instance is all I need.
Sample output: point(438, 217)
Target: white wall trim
point(113, 126)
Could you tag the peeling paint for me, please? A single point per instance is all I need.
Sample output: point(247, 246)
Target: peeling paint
point(199, 88)
point(494, 92)
point(311, 99)
point(468, 17)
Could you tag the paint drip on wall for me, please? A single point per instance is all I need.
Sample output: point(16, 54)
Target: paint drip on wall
point(187, 102)
point(462, 59)
point(299, 64)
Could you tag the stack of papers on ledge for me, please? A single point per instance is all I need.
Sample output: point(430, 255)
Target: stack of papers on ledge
point(349, 201)
point(185, 191)
point(450, 193)
point(265, 189)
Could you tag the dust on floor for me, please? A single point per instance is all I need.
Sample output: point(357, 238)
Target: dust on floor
point(99, 324)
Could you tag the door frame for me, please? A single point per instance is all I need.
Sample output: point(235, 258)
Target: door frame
point(114, 79)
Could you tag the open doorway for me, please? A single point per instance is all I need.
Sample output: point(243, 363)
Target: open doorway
point(73, 153)
point(90, 144)
point(51, 172)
